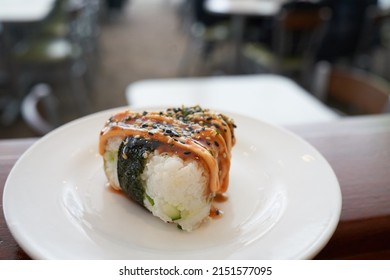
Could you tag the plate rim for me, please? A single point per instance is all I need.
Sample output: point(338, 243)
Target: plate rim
point(309, 253)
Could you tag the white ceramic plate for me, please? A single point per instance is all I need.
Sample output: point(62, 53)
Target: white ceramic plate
point(284, 202)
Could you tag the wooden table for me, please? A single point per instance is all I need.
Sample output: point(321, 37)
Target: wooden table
point(357, 148)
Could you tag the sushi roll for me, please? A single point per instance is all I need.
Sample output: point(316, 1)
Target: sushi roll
point(172, 162)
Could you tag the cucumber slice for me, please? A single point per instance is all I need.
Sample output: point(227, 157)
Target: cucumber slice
point(151, 201)
point(172, 212)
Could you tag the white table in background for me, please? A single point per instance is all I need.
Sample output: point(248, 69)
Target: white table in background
point(271, 98)
point(239, 10)
point(24, 10)
point(244, 7)
point(384, 4)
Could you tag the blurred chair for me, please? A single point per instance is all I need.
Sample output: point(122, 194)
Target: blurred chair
point(85, 29)
point(52, 54)
point(351, 91)
point(40, 109)
point(341, 38)
point(205, 32)
point(374, 38)
point(296, 33)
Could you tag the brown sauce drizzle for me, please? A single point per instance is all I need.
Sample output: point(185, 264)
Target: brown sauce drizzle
point(221, 197)
point(215, 213)
point(189, 132)
point(114, 191)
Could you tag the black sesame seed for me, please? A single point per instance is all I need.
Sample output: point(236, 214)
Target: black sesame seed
point(187, 153)
point(144, 113)
point(216, 143)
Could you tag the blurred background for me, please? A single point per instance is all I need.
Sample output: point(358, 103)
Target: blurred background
point(63, 59)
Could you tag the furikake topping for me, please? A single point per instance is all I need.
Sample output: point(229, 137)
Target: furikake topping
point(183, 122)
point(189, 132)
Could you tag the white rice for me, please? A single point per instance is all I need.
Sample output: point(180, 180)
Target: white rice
point(176, 190)
point(177, 187)
point(111, 161)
